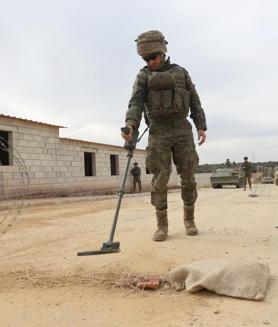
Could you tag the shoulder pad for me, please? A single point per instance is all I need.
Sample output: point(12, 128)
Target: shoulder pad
point(173, 65)
point(181, 68)
point(144, 69)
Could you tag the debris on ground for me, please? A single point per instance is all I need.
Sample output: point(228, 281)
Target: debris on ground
point(153, 283)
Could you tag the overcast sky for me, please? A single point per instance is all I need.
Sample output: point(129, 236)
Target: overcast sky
point(73, 63)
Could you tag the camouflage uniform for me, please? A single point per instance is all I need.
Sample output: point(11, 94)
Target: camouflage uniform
point(136, 174)
point(165, 97)
point(247, 169)
point(170, 132)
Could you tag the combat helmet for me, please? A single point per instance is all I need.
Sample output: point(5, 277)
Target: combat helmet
point(151, 42)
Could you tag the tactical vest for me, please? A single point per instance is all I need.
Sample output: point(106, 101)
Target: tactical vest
point(167, 93)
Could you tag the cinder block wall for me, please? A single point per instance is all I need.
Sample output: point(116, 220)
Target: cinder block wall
point(42, 164)
point(33, 149)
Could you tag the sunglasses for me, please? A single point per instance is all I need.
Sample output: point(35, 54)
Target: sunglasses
point(151, 57)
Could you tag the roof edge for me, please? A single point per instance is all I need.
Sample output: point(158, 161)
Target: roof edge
point(31, 121)
point(95, 143)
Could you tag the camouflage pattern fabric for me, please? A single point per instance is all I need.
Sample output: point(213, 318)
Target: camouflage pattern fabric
point(169, 138)
point(174, 102)
point(246, 168)
point(137, 180)
point(150, 42)
point(135, 171)
point(165, 105)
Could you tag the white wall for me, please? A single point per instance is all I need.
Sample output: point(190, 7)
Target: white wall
point(55, 166)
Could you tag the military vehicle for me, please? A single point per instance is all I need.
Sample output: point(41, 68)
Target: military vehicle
point(268, 175)
point(226, 176)
point(267, 180)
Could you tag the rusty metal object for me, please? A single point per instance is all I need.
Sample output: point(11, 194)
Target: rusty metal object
point(152, 283)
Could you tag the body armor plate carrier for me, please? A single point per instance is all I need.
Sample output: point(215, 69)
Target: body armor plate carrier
point(167, 93)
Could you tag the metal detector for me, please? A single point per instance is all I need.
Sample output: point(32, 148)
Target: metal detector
point(110, 246)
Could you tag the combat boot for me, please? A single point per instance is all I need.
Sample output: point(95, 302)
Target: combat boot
point(188, 219)
point(162, 225)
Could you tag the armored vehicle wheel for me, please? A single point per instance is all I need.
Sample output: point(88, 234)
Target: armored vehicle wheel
point(216, 185)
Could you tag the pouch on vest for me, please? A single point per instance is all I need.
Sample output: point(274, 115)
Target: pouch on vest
point(181, 100)
point(162, 81)
point(161, 100)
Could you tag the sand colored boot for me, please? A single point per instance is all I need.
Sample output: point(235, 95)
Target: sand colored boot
point(188, 219)
point(162, 226)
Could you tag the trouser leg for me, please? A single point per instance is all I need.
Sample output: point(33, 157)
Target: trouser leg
point(245, 182)
point(140, 185)
point(172, 138)
point(186, 160)
point(249, 182)
point(159, 162)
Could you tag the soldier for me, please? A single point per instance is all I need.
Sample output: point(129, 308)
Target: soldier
point(246, 169)
point(136, 174)
point(228, 163)
point(164, 92)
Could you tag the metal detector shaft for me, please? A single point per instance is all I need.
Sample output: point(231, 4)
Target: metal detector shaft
point(130, 146)
point(110, 246)
point(121, 193)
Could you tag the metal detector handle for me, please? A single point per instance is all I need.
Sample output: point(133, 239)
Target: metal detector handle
point(130, 145)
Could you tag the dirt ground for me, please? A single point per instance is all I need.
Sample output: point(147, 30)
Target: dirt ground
point(44, 283)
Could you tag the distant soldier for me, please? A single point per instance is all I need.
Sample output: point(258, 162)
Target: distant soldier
point(246, 169)
point(228, 163)
point(136, 173)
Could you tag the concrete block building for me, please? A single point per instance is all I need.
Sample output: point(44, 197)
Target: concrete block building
point(35, 161)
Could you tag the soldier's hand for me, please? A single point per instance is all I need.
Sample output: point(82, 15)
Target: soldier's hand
point(127, 137)
point(201, 136)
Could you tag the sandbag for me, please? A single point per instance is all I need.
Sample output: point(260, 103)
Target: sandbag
point(232, 277)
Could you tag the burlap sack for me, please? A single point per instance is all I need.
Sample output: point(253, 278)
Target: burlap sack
point(232, 277)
